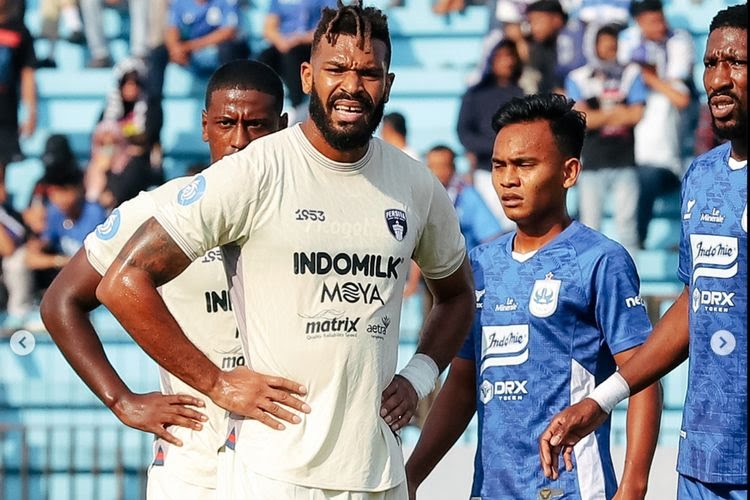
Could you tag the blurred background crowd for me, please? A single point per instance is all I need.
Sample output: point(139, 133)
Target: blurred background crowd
point(87, 89)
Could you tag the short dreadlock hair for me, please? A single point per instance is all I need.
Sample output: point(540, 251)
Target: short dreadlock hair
point(366, 23)
point(731, 17)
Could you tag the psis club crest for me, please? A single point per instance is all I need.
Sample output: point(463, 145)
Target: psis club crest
point(544, 297)
point(396, 220)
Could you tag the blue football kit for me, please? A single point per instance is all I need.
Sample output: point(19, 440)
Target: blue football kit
point(546, 329)
point(713, 265)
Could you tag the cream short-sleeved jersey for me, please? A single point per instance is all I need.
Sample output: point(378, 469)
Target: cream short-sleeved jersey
point(199, 301)
point(317, 254)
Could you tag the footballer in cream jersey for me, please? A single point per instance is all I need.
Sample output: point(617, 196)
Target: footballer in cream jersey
point(199, 301)
point(317, 254)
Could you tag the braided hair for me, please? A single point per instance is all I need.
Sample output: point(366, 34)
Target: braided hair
point(365, 23)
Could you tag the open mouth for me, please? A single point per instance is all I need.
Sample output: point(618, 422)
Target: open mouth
point(347, 111)
point(722, 106)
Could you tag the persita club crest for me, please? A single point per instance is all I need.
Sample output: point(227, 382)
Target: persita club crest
point(396, 220)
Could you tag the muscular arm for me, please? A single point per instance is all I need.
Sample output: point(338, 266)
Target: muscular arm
point(449, 416)
point(443, 332)
point(665, 349)
point(129, 289)
point(65, 311)
point(447, 324)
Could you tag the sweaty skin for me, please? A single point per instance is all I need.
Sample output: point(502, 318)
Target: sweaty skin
point(233, 119)
point(339, 74)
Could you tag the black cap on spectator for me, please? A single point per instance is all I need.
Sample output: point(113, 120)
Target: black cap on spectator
point(57, 153)
point(552, 6)
point(62, 177)
point(638, 7)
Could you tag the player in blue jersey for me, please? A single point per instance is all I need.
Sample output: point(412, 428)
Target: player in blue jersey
point(557, 310)
point(709, 318)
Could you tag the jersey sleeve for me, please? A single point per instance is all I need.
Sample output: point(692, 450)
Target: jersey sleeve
point(215, 207)
point(468, 350)
point(441, 248)
point(104, 243)
point(685, 262)
point(620, 311)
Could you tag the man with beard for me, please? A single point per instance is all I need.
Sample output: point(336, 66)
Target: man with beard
point(709, 319)
point(243, 102)
point(317, 224)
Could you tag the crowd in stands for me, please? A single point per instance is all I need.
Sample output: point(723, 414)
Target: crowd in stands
point(620, 60)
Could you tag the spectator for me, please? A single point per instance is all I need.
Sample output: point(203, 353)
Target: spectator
point(394, 133)
point(69, 219)
point(666, 58)
point(16, 277)
point(613, 98)
point(289, 28)
point(500, 85)
point(200, 35)
point(57, 155)
point(478, 224)
point(17, 62)
point(93, 22)
point(51, 12)
point(554, 44)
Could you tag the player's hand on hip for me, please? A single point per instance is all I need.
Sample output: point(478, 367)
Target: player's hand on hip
point(265, 398)
point(564, 431)
point(398, 403)
point(154, 412)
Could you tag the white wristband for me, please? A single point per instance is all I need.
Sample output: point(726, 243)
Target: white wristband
point(610, 392)
point(421, 371)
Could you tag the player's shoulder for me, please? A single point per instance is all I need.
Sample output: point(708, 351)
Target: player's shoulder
point(710, 161)
point(590, 243)
point(395, 158)
point(491, 250)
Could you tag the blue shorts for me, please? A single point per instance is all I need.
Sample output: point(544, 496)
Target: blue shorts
point(689, 488)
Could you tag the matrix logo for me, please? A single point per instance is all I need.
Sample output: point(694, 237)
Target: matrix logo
point(330, 323)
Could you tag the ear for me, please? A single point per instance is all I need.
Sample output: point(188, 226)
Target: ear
point(306, 72)
point(283, 121)
point(204, 126)
point(388, 84)
point(571, 170)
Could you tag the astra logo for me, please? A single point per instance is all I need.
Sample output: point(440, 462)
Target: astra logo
point(369, 265)
point(351, 292)
point(712, 301)
point(379, 330)
point(505, 390)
